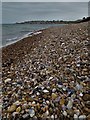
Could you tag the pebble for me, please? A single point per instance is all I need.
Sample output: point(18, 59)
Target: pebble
point(31, 112)
point(62, 101)
point(70, 104)
point(54, 96)
point(59, 86)
point(7, 80)
point(70, 112)
point(50, 81)
point(64, 113)
point(43, 109)
point(52, 116)
point(78, 65)
point(15, 113)
point(47, 102)
point(75, 117)
point(56, 117)
point(81, 94)
point(45, 91)
point(77, 112)
point(82, 117)
point(86, 97)
point(46, 113)
point(17, 103)
point(88, 117)
point(12, 108)
point(50, 78)
point(18, 109)
point(64, 88)
point(79, 87)
point(38, 93)
point(25, 116)
point(54, 89)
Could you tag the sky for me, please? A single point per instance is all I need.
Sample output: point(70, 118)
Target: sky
point(23, 11)
point(45, 0)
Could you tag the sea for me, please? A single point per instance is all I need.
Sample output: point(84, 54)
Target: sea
point(11, 33)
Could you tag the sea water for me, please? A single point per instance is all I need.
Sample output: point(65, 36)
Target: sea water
point(14, 32)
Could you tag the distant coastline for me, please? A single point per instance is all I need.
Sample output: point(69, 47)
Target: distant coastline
point(54, 21)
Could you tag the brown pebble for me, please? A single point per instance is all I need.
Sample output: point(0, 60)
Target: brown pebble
point(86, 97)
point(12, 108)
point(88, 117)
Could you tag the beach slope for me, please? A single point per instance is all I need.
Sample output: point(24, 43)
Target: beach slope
point(47, 75)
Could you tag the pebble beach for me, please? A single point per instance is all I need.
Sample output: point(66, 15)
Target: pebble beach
point(46, 75)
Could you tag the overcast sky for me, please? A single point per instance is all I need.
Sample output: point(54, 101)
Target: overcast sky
point(45, 0)
point(22, 11)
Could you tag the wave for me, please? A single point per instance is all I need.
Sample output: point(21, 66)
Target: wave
point(16, 39)
point(24, 31)
point(20, 37)
point(11, 39)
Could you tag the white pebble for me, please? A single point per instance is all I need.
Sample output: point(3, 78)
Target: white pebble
point(81, 94)
point(82, 117)
point(38, 93)
point(46, 113)
point(52, 116)
point(64, 88)
point(7, 80)
point(56, 116)
point(59, 86)
point(45, 91)
point(78, 65)
point(14, 113)
point(65, 113)
point(54, 89)
point(47, 102)
point(33, 102)
point(75, 117)
point(50, 78)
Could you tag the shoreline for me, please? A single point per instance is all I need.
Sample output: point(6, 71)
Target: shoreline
point(24, 36)
point(5, 48)
point(28, 35)
point(47, 75)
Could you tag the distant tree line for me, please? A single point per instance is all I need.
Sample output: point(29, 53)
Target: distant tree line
point(55, 21)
